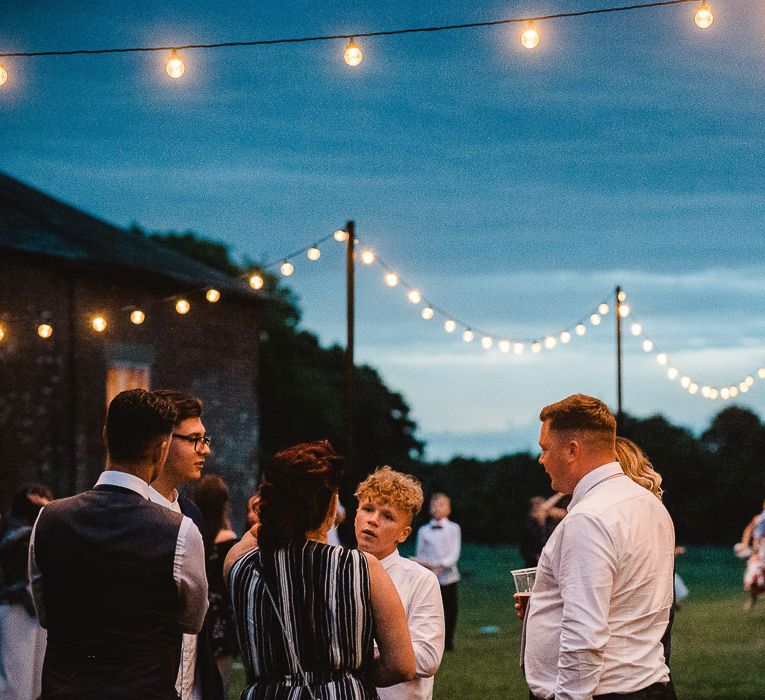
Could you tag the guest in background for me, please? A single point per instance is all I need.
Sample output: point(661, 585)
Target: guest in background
point(198, 675)
point(211, 496)
point(333, 536)
point(438, 548)
point(752, 545)
point(306, 612)
point(22, 640)
point(544, 516)
point(251, 517)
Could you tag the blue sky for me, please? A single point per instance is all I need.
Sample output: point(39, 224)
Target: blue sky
point(515, 188)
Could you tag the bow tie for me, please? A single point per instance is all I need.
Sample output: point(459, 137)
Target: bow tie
point(437, 527)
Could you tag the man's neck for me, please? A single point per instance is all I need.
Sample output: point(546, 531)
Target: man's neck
point(593, 464)
point(165, 487)
point(142, 471)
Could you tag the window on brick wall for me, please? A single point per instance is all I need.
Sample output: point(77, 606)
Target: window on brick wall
point(121, 376)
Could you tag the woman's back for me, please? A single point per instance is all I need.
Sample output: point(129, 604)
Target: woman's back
point(323, 596)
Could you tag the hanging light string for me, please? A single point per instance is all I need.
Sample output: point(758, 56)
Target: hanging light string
point(694, 386)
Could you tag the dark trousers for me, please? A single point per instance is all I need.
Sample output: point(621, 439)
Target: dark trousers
point(449, 597)
point(657, 691)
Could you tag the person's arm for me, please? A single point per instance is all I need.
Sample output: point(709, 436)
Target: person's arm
point(190, 577)
point(453, 546)
point(587, 571)
point(746, 535)
point(396, 662)
point(426, 626)
point(36, 578)
point(249, 541)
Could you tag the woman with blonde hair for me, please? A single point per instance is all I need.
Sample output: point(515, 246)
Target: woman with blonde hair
point(637, 466)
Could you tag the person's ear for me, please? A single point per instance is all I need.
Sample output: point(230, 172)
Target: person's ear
point(159, 451)
point(574, 450)
point(404, 534)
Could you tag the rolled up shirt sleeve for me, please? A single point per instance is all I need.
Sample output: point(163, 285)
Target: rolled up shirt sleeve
point(587, 572)
point(36, 577)
point(190, 577)
point(426, 626)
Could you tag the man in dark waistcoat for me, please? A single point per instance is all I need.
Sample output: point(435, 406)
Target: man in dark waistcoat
point(117, 579)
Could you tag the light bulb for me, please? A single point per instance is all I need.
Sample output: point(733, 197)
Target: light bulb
point(749, 380)
point(427, 313)
point(530, 36)
point(704, 16)
point(504, 346)
point(603, 309)
point(622, 296)
point(624, 310)
point(536, 347)
point(725, 393)
point(550, 342)
point(761, 373)
point(367, 256)
point(414, 296)
point(137, 317)
point(468, 336)
point(353, 55)
point(662, 358)
point(175, 66)
point(636, 329)
point(565, 337)
point(257, 281)
point(3, 75)
point(648, 345)
point(672, 373)
point(340, 236)
point(213, 296)
point(313, 253)
point(744, 387)
point(595, 319)
point(45, 330)
point(287, 268)
point(486, 342)
point(182, 306)
point(685, 382)
point(450, 325)
point(693, 388)
point(518, 348)
point(733, 392)
point(713, 393)
point(99, 324)
point(391, 279)
point(580, 329)
point(705, 391)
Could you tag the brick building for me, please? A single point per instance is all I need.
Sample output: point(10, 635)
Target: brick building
point(63, 267)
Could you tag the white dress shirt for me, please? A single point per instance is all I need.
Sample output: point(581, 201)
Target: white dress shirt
point(187, 684)
point(419, 592)
point(438, 544)
point(603, 592)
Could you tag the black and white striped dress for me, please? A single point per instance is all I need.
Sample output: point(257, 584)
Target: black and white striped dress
point(323, 598)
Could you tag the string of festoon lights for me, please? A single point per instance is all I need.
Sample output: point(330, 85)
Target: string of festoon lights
point(529, 37)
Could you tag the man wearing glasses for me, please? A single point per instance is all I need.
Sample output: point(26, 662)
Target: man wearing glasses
point(198, 675)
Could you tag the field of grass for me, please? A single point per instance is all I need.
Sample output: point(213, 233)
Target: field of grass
point(718, 651)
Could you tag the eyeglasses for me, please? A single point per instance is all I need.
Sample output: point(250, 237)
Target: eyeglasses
point(200, 441)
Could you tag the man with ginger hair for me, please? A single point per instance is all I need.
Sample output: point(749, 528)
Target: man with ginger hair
point(601, 601)
point(388, 500)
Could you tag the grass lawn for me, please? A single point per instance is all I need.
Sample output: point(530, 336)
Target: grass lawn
point(718, 651)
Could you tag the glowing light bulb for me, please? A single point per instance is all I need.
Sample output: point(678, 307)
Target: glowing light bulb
point(486, 342)
point(761, 373)
point(733, 391)
point(672, 373)
point(704, 16)
point(603, 309)
point(530, 36)
point(693, 388)
point(353, 55)
point(45, 330)
point(648, 345)
point(725, 393)
point(450, 325)
point(427, 313)
point(213, 296)
point(287, 268)
point(705, 391)
point(257, 281)
point(580, 329)
point(749, 380)
point(340, 236)
point(99, 324)
point(182, 306)
point(685, 382)
point(391, 279)
point(313, 253)
point(536, 347)
point(636, 329)
point(414, 296)
point(175, 66)
point(468, 336)
point(137, 317)
point(622, 296)
point(3, 75)
point(595, 319)
point(624, 310)
point(713, 394)
point(550, 342)
point(368, 256)
point(662, 358)
point(504, 346)
point(565, 337)
point(744, 387)
point(518, 348)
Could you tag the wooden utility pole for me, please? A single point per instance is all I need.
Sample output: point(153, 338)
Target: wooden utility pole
point(350, 243)
point(619, 413)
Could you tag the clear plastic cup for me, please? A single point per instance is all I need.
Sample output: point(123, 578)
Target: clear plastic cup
point(524, 580)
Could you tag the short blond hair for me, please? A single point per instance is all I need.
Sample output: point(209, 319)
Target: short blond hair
point(582, 413)
point(637, 467)
point(390, 486)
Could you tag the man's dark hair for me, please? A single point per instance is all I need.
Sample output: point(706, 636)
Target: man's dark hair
point(135, 419)
point(188, 406)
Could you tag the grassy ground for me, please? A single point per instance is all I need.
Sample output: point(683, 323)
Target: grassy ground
point(718, 650)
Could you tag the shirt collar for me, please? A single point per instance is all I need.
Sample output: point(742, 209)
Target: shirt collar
point(157, 497)
point(592, 479)
point(440, 523)
point(112, 477)
point(390, 560)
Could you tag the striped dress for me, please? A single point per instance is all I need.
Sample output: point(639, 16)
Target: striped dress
point(323, 597)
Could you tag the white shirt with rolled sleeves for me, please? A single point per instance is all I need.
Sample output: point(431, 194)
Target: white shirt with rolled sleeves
point(603, 592)
point(419, 592)
point(439, 543)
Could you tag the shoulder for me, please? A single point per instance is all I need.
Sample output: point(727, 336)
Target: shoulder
point(419, 576)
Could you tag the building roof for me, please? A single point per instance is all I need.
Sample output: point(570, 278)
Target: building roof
point(35, 223)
